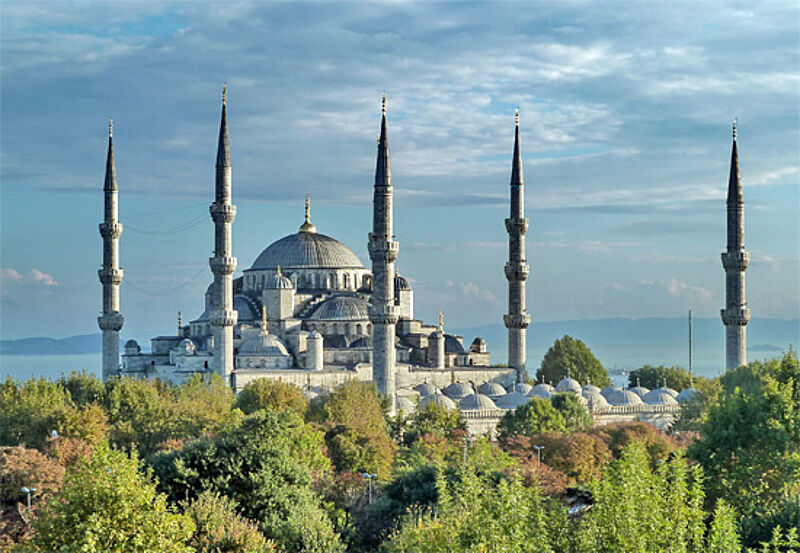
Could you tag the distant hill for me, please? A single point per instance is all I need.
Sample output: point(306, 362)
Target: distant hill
point(84, 343)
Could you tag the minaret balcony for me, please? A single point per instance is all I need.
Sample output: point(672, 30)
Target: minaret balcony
point(109, 275)
point(223, 317)
point(111, 230)
point(110, 321)
point(735, 316)
point(222, 264)
point(383, 314)
point(516, 226)
point(222, 213)
point(736, 260)
point(517, 320)
point(382, 250)
point(516, 270)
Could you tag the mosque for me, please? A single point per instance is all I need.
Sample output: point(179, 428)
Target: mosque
point(308, 312)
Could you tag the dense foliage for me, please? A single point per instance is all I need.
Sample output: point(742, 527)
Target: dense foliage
point(268, 471)
point(568, 356)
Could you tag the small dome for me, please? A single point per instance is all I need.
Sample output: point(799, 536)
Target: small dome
point(452, 345)
point(512, 400)
point(457, 390)
point(401, 284)
point(314, 335)
point(263, 344)
point(608, 390)
point(478, 345)
point(186, 347)
point(341, 308)
point(540, 391)
point(659, 397)
point(406, 405)
point(281, 282)
point(590, 388)
point(440, 400)
point(476, 402)
point(520, 387)
point(596, 400)
point(131, 344)
point(640, 391)
point(623, 397)
point(426, 389)
point(491, 389)
point(688, 394)
point(569, 385)
point(670, 391)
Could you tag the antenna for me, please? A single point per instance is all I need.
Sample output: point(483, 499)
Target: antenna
point(690, 343)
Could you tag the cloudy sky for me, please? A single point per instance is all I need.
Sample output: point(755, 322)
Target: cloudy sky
point(625, 111)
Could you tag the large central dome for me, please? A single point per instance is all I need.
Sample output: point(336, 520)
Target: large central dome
point(307, 250)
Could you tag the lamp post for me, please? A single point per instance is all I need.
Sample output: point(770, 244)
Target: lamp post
point(28, 491)
point(369, 478)
point(467, 443)
point(538, 449)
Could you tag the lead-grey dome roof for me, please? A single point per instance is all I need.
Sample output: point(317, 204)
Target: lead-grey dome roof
point(341, 308)
point(520, 387)
point(457, 390)
point(426, 389)
point(440, 400)
point(263, 344)
point(659, 397)
point(307, 250)
point(512, 400)
point(568, 384)
point(476, 402)
point(452, 345)
point(491, 389)
point(623, 397)
point(687, 394)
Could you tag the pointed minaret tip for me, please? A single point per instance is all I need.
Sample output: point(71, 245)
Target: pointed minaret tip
point(180, 325)
point(516, 117)
point(735, 121)
point(110, 127)
point(224, 93)
point(383, 104)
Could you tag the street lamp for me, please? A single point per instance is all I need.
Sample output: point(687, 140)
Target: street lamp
point(467, 443)
point(369, 478)
point(28, 491)
point(538, 449)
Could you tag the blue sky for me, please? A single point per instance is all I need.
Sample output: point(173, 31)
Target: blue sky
point(625, 113)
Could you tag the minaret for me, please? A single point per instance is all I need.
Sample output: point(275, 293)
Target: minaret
point(383, 313)
point(736, 315)
point(111, 320)
point(223, 264)
point(517, 319)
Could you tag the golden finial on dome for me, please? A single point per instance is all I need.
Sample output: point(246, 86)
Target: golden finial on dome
point(307, 226)
point(441, 321)
point(279, 271)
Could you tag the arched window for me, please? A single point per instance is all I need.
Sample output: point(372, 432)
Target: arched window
point(345, 281)
point(359, 329)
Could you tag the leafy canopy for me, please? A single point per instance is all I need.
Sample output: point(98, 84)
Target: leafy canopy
point(570, 356)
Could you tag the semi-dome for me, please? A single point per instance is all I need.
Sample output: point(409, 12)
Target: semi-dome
point(623, 397)
point(440, 400)
point(659, 397)
point(452, 345)
point(426, 389)
point(569, 385)
point(520, 387)
point(341, 308)
point(307, 250)
point(596, 400)
point(491, 389)
point(512, 400)
point(687, 395)
point(248, 309)
point(457, 390)
point(263, 344)
point(476, 402)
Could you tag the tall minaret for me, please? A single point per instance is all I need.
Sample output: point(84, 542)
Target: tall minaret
point(223, 316)
point(111, 320)
point(736, 315)
point(517, 319)
point(383, 249)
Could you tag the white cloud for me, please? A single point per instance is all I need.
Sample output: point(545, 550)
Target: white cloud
point(33, 278)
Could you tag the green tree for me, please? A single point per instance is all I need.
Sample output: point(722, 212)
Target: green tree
point(749, 446)
point(25, 410)
point(723, 535)
point(266, 466)
point(446, 423)
point(570, 356)
point(576, 416)
point(535, 417)
point(106, 505)
point(84, 388)
point(652, 377)
point(219, 529)
point(278, 395)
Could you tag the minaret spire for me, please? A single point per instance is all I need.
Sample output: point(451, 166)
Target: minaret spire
point(517, 319)
point(383, 313)
point(110, 322)
point(735, 260)
point(223, 317)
